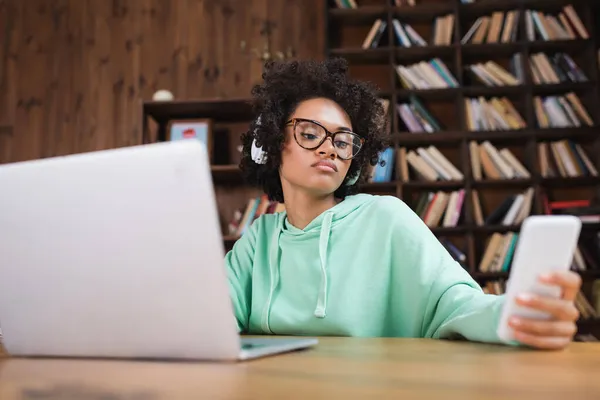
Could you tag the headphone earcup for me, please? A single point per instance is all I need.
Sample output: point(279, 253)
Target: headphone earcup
point(353, 179)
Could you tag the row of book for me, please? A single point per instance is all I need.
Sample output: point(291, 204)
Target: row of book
point(558, 68)
point(499, 250)
point(428, 163)
point(406, 36)
point(561, 111)
point(563, 26)
point(440, 208)
point(416, 116)
point(493, 114)
point(545, 70)
point(432, 74)
point(511, 211)
point(491, 74)
point(499, 27)
point(256, 206)
point(561, 158)
point(489, 162)
point(503, 26)
point(564, 158)
point(499, 114)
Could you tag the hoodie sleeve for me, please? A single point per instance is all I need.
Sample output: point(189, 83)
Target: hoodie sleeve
point(238, 262)
point(452, 305)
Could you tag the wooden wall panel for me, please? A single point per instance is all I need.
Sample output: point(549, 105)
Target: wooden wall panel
point(73, 73)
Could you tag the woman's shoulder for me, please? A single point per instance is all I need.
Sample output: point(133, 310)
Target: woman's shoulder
point(386, 204)
point(266, 222)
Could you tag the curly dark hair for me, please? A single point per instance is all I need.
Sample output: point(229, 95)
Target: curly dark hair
point(288, 83)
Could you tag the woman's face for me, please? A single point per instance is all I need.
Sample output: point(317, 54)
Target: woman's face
point(319, 171)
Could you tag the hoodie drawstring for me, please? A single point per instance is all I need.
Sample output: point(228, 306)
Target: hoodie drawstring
point(321, 309)
point(274, 274)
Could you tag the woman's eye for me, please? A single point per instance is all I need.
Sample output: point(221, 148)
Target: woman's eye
point(341, 145)
point(309, 136)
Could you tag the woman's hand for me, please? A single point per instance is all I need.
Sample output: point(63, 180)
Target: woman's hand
point(558, 331)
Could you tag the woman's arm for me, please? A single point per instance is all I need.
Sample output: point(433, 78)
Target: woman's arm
point(450, 302)
point(239, 261)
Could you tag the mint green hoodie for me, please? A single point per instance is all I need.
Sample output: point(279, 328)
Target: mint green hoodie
point(367, 267)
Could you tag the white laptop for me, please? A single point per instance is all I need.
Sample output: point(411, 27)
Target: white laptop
point(118, 254)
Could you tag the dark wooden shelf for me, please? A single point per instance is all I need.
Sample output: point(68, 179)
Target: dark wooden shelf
point(231, 110)
point(562, 88)
point(424, 138)
point(434, 185)
point(494, 91)
point(449, 230)
point(430, 94)
point(360, 15)
point(228, 173)
point(405, 55)
point(568, 46)
point(490, 50)
point(587, 132)
point(488, 229)
point(422, 12)
point(360, 55)
point(571, 181)
point(506, 183)
point(490, 275)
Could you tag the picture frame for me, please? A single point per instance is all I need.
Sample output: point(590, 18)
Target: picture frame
point(199, 129)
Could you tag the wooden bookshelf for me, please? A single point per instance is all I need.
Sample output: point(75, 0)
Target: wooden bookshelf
point(231, 118)
point(346, 30)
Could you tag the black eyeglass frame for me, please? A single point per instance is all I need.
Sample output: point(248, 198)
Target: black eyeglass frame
point(294, 122)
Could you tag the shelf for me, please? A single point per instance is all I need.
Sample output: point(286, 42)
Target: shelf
point(567, 46)
point(422, 12)
point(448, 230)
point(494, 91)
point(492, 183)
point(360, 15)
point(360, 55)
point(496, 228)
point(231, 110)
point(430, 94)
point(566, 133)
point(434, 185)
point(426, 139)
point(404, 55)
point(492, 50)
point(571, 181)
point(490, 275)
point(508, 136)
point(379, 186)
point(226, 172)
point(561, 88)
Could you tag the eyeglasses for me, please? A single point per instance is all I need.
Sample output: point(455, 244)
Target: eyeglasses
point(311, 134)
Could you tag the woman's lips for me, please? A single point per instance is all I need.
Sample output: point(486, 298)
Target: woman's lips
point(325, 165)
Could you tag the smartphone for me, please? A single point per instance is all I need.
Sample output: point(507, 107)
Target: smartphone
point(546, 243)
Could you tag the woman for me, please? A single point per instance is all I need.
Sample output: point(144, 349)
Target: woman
point(344, 264)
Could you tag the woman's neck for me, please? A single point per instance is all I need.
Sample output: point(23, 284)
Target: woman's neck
point(302, 208)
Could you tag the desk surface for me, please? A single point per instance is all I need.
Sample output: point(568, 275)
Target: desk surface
point(336, 368)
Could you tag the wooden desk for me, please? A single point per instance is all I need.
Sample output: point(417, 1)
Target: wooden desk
point(339, 368)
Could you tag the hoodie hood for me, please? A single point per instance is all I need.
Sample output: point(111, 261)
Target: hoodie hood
point(320, 227)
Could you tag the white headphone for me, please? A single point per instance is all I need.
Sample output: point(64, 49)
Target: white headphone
point(352, 180)
point(258, 155)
